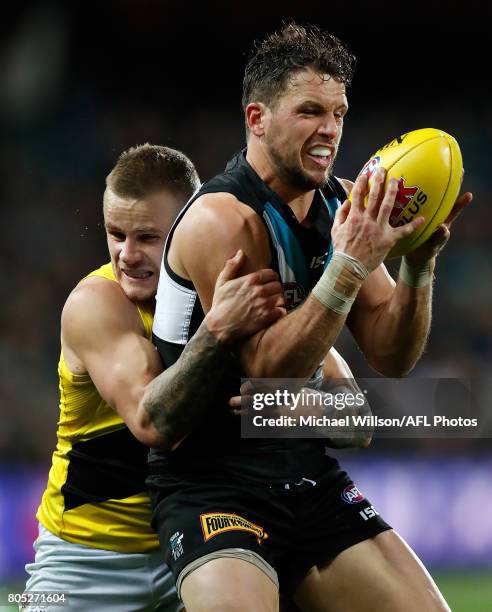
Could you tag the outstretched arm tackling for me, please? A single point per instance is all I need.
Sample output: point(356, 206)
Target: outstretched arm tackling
point(175, 401)
point(103, 336)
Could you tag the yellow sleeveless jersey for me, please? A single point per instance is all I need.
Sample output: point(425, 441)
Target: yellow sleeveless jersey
point(96, 486)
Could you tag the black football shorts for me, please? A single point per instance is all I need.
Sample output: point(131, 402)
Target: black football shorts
point(293, 526)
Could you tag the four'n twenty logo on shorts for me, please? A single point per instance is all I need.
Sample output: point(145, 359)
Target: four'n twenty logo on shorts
point(352, 495)
point(214, 523)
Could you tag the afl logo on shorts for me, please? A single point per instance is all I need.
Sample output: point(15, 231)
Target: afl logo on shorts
point(352, 495)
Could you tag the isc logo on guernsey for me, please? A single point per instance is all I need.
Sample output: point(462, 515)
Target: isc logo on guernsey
point(352, 495)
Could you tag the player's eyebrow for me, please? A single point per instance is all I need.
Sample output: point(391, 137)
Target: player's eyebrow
point(111, 228)
point(315, 105)
point(311, 104)
point(148, 230)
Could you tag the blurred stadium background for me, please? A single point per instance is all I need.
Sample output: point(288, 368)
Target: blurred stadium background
point(79, 82)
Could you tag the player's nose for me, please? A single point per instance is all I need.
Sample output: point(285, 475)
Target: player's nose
point(129, 253)
point(328, 127)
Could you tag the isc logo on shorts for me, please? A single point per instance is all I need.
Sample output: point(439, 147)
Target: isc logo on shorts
point(214, 523)
point(352, 495)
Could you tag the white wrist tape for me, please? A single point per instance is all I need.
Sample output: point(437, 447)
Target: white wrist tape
point(340, 282)
point(416, 276)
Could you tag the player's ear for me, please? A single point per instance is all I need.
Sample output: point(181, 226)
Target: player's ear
point(255, 118)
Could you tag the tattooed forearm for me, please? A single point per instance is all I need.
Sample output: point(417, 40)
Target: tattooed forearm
point(178, 397)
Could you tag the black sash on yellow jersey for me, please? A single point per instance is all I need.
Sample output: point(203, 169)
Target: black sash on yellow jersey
point(96, 486)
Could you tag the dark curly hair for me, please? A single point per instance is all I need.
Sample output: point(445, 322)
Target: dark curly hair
point(293, 48)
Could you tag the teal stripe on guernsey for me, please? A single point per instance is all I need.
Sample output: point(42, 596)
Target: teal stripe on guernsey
point(332, 205)
point(286, 238)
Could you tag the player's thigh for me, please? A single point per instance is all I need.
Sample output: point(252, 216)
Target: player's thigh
point(229, 585)
point(381, 573)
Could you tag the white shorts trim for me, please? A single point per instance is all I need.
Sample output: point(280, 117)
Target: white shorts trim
point(229, 553)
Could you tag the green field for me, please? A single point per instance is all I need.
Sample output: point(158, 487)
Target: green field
point(464, 592)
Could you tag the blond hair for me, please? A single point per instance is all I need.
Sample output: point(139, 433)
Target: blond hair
point(145, 169)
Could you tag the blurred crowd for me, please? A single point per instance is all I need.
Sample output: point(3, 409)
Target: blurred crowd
point(59, 139)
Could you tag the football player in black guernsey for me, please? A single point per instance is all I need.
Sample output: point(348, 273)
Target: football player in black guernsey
point(236, 516)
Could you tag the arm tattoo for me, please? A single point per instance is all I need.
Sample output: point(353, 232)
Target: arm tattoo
point(177, 398)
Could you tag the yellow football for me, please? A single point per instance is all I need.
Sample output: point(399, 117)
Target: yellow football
point(428, 167)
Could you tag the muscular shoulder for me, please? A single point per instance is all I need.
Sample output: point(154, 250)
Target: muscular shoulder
point(96, 311)
point(221, 212)
point(219, 224)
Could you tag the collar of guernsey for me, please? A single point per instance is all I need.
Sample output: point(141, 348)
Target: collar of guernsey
point(96, 485)
point(290, 240)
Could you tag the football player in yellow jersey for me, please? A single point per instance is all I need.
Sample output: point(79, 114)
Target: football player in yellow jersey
point(96, 547)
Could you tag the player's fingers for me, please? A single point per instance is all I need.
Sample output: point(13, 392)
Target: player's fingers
point(261, 277)
point(280, 301)
point(408, 228)
point(271, 288)
point(440, 236)
point(273, 301)
point(231, 268)
point(358, 193)
point(275, 313)
point(268, 316)
point(235, 402)
point(246, 388)
point(388, 202)
point(374, 198)
point(460, 204)
point(342, 212)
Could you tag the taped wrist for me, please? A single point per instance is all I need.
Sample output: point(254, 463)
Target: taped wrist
point(416, 276)
point(340, 282)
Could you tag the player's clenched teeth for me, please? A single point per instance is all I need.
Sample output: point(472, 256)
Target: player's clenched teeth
point(320, 155)
point(137, 275)
point(320, 151)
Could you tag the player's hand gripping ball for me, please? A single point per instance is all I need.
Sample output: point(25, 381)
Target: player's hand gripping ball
point(428, 167)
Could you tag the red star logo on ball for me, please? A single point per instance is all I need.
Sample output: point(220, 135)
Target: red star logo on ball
point(403, 197)
point(405, 194)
